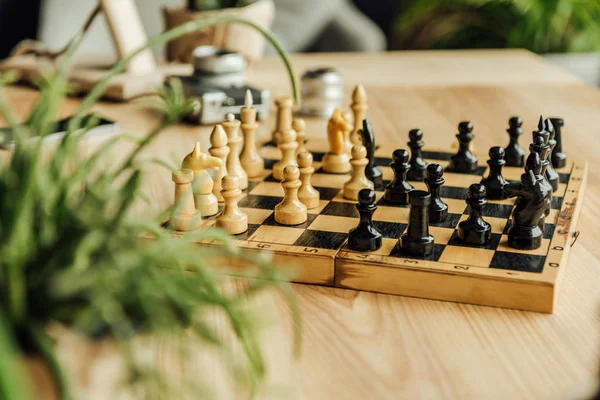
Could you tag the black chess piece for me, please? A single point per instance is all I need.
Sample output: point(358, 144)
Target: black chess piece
point(551, 174)
point(417, 240)
point(532, 203)
point(495, 182)
point(534, 164)
point(542, 148)
point(559, 159)
point(515, 154)
point(396, 192)
point(438, 210)
point(365, 237)
point(417, 163)
point(464, 161)
point(474, 230)
point(372, 172)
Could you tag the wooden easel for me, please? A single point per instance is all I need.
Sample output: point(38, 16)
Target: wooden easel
point(128, 34)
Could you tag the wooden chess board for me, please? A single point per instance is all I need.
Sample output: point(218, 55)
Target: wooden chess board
point(492, 275)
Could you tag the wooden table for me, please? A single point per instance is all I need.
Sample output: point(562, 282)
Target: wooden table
point(360, 345)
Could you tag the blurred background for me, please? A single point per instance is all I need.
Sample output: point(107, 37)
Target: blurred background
point(567, 32)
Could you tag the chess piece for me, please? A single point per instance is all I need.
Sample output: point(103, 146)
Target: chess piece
point(417, 163)
point(336, 161)
point(287, 145)
point(219, 149)
point(307, 194)
point(250, 160)
point(559, 159)
point(532, 202)
point(299, 126)
point(464, 161)
point(372, 171)
point(365, 237)
point(551, 174)
point(438, 210)
point(233, 220)
point(359, 180)
point(535, 165)
point(514, 154)
point(495, 182)
point(417, 240)
point(542, 148)
point(347, 115)
point(284, 117)
point(234, 141)
point(398, 190)
point(184, 216)
point(290, 211)
point(474, 230)
point(359, 109)
point(206, 202)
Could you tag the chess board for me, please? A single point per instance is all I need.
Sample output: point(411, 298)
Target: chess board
point(493, 274)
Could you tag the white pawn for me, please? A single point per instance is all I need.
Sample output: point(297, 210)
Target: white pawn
point(184, 216)
point(359, 180)
point(251, 161)
point(299, 125)
point(220, 150)
point(307, 194)
point(290, 211)
point(233, 220)
point(288, 146)
point(235, 142)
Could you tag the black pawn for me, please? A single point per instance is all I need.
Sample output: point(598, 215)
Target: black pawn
point(515, 155)
point(551, 173)
point(559, 159)
point(417, 240)
point(495, 182)
point(396, 192)
point(372, 172)
point(417, 163)
point(474, 230)
point(438, 210)
point(464, 161)
point(365, 237)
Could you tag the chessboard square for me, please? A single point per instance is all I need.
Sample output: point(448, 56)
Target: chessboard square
point(246, 235)
point(441, 235)
point(256, 215)
point(318, 156)
point(329, 180)
point(563, 177)
point(552, 217)
point(391, 214)
point(276, 234)
point(512, 173)
point(331, 223)
point(340, 209)
point(262, 202)
point(382, 161)
point(549, 230)
point(438, 249)
point(540, 251)
point(455, 206)
point(492, 244)
point(270, 178)
point(436, 155)
point(319, 208)
point(498, 224)
point(269, 163)
point(271, 221)
point(562, 188)
point(557, 202)
point(518, 262)
point(449, 192)
point(321, 239)
point(443, 164)
point(326, 193)
point(253, 184)
point(471, 256)
point(391, 230)
point(454, 179)
point(387, 245)
point(268, 189)
point(451, 221)
point(419, 185)
point(494, 210)
point(387, 173)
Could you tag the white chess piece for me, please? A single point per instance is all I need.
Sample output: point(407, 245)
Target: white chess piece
point(287, 145)
point(291, 211)
point(184, 216)
point(307, 194)
point(234, 141)
point(233, 220)
point(251, 161)
point(219, 149)
point(359, 180)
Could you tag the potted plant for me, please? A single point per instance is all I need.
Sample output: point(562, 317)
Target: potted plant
point(71, 258)
point(565, 31)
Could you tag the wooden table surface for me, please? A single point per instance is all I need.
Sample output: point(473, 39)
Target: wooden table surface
point(360, 345)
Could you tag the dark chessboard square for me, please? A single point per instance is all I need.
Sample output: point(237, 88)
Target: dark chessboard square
point(492, 244)
point(438, 249)
point(450, 192)
point(268, 163)
point(270, 178)
point(271, 221)
point(318, 156)
point(321, 239)
point(340, 209)
point(383, 161)
point(480, 171)
point(262, 202)
point(494, 210)
point(437, 155)
point(517, 261)
point(244, 236)
point(563, 178)
point(327, 193)
point(390, 230)
point(557, 202)
point(451, 221)
point(549, 230)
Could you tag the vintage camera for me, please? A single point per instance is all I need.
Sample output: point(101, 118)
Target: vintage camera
point(219, 83)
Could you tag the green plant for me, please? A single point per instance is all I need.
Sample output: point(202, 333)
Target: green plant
point(71, 255)
point(542, 26)
point(206, 5)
